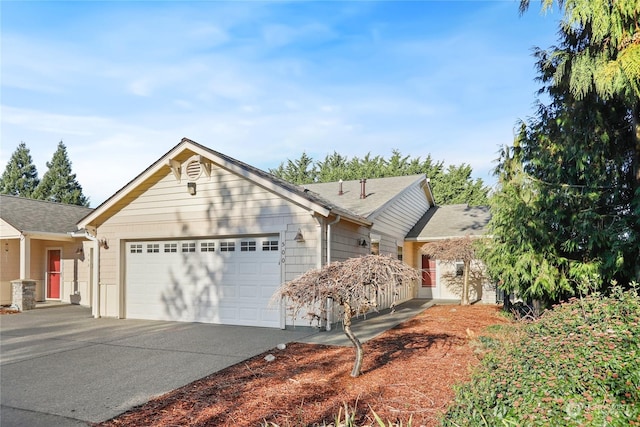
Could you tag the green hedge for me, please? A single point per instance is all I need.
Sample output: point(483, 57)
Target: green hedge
point(578, 365)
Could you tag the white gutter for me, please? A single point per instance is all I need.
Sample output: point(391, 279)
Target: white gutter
point(329, 300)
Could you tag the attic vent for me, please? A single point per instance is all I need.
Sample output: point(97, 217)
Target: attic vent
point(193, 169)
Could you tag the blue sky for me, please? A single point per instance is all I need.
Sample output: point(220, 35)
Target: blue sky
point(122, 82)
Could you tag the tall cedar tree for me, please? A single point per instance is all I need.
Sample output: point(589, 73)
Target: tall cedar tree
point(20, 177)
point(451, 186)
point(566, 218)
point(59, 184)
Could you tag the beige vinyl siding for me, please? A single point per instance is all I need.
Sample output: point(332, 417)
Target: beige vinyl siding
point(300, 256)
point(75, 273)
point(224, 205)
point(344, 241)
point(9, 268)
point(400, 216)
point(480, 288)
point(7, 231)
point(389, 245)
point(39, 265)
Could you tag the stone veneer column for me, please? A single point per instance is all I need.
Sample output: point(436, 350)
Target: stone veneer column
point(24, 294)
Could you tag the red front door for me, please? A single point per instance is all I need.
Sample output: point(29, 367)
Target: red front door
point(53, 274)
point(428, 272)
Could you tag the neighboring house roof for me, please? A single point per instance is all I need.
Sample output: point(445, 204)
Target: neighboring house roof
point(187, 147)
point(378, 191)
point(39, 216)
point(449, 221)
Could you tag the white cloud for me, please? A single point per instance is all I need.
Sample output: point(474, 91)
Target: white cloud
point(261, 82)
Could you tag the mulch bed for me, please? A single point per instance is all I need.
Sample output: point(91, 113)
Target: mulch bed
point(408, 373)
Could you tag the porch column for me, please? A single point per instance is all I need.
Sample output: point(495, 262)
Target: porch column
point(25, 257)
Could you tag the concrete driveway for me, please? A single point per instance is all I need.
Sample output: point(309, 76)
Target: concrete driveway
point(59, 366)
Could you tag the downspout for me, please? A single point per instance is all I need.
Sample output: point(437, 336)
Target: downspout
point(329, 300)
point(96, 274)
point(335, 221)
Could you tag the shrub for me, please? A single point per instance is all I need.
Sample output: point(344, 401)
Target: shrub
point(576, 365)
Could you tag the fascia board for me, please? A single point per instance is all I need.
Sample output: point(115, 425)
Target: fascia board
point(42, 235)
point(120, 194)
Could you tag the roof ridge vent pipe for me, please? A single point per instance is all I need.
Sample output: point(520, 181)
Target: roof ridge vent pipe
point(340, 192)
point(363, 190)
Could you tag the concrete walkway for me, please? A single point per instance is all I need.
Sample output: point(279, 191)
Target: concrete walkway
point(373, 324)
point(59, 366)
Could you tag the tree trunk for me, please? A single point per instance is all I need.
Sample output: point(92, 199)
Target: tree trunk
point(357, 366)
point(635, 123)
point(464, 299)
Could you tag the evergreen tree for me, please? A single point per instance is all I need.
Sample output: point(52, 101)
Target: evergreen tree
point(452, 186)
point(20, 177)
point(600, 55)
point(456, 186)
point(333, 168)
point(566, 218)
point(59, 184)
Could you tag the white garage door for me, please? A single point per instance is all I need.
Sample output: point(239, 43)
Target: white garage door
point(226, 281)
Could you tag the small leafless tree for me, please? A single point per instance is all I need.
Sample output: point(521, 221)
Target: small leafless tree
point(354, 284)
point(451, 251)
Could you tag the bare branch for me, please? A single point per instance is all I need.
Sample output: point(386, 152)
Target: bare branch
point(355, 284)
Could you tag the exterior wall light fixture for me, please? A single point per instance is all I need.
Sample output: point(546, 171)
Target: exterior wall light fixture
point(191, 188)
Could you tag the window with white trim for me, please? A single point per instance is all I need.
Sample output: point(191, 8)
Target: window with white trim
point(170, 248)
point(136, 248)
point(270, 245)
point(248, 246)
point(459, 269)
point(207, 247)
point(227, 246)
point(189, 247)
point(153, 248)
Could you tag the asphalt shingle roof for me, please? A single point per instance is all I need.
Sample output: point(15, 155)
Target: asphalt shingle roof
point(378, 192)
point(441, 222)
point(29, 215)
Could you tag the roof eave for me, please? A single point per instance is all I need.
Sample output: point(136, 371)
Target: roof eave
point(223, 162)
point(44, 235)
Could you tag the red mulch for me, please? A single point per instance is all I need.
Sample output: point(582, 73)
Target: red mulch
point(408, 372)
point(7, 310)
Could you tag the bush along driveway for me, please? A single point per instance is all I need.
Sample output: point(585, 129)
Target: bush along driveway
point(579, 365)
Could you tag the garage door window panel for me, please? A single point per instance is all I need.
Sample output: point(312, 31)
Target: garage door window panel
point(247, 246)
point(227, 246)
point(188, 247)
point(207, 247)
point(269, 245)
